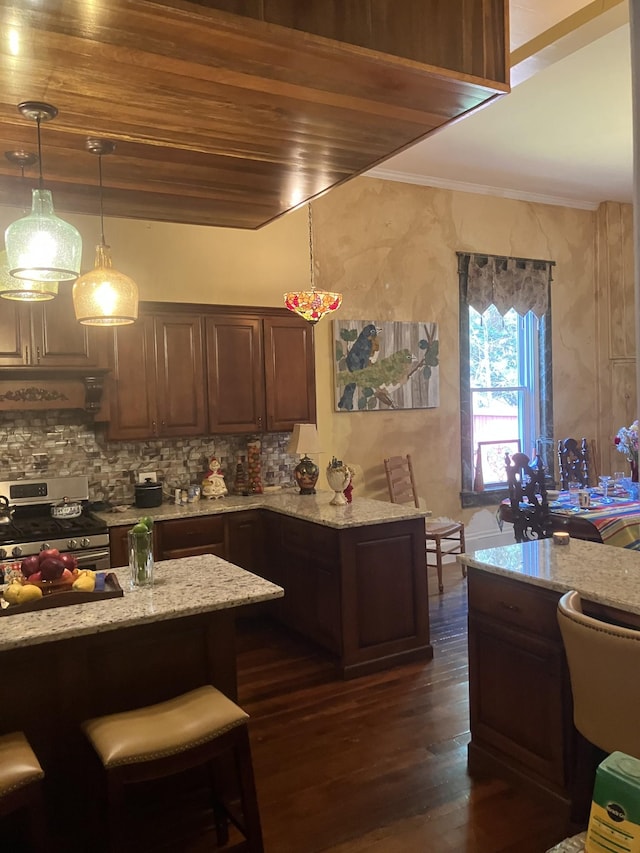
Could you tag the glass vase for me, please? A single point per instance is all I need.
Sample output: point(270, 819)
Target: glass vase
point(141, 558)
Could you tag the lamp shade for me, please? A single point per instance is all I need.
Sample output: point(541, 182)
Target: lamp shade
point(312, 305)
point(41, 246)
point(104, 296)
point(24, 291)
point(304, 440)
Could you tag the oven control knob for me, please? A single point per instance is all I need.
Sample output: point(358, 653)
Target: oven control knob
point(17, 551)
point(72, 543)
point(85, 542)
point(3, 554)
point(45, 546)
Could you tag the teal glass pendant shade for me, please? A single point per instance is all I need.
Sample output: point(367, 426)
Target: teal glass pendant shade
point(41, 246)
point(22, 290)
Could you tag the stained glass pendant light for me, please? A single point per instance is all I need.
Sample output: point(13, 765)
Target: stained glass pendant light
point(312, 304)
point(104, 296)
point(41, 246)
point(18, 289)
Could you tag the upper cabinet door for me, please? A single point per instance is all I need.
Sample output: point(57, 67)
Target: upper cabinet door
point(132, 382)
point(180, 375)
point(15, 334)
point(235, 374)
point(59, 340)
point(289, 372)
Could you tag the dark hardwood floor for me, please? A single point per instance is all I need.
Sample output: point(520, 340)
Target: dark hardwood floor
point(373, 765)
point(377, 764)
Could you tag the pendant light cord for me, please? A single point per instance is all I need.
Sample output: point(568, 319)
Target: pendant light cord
point(40, 179)
point(310, 247)
point(101, 206)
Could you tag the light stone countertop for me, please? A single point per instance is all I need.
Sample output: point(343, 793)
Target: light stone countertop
point(315, 508)
point(181, 588)
point(604, 574)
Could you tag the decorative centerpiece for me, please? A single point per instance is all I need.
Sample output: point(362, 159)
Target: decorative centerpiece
point(626, 441)
point(338, 477)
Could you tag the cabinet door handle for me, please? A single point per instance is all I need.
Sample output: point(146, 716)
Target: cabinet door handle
point(512, 607)
point(26, 355)
point(37, 355)
point(154, 428)
point(260, 422)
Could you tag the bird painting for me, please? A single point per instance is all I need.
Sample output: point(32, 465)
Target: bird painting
point(386, 365)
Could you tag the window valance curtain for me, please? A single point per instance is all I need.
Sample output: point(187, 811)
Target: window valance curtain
point(519, 283)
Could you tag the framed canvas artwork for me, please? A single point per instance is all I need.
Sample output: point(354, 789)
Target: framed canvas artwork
point(381, 366)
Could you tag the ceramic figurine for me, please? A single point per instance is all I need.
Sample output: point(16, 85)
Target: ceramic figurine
point(213, 485)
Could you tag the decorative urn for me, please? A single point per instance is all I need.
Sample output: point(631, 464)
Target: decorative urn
point(338, 477)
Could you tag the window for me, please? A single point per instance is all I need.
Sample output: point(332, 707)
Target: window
point(505, 369)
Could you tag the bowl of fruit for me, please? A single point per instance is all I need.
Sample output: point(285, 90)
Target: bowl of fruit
point(50, 570)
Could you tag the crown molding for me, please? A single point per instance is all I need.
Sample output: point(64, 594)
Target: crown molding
point(480, 189)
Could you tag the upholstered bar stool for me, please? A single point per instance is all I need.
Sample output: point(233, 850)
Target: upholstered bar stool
point(21, 785)
point(168, 738)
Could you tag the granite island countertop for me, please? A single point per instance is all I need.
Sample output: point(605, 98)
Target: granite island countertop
point(604, 574)
point(315, 508)
point(182, 587)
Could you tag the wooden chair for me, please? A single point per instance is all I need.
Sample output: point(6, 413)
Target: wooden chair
point(528, 497)
point(573, 462)
point(21, 786)
point(602, 659)
point(402, 489)
point(164, 739)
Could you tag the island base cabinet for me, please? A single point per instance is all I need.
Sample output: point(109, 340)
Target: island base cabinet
point(359, 592)
point(519, 688)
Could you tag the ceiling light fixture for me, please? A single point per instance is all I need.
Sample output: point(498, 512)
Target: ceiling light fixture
point(18, 289)
point(312, 304)
point(41, 246)
point(104, 296)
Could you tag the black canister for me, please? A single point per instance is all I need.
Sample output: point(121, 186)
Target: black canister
point(148, 494)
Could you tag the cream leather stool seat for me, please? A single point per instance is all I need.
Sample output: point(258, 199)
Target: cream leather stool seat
point(167, 738)
point(21, 784)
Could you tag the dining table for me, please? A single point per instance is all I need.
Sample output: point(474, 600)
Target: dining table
point(614, 520)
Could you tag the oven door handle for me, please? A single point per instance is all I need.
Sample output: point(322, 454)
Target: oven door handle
point(91, 556)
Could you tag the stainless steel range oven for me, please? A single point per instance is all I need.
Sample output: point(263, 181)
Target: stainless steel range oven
point(32, 528)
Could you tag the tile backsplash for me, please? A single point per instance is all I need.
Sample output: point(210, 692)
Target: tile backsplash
point(63, 443)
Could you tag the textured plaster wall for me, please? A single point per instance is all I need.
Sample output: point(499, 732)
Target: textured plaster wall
point(390, 248)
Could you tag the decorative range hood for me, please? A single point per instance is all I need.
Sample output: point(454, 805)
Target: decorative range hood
point(232, 112)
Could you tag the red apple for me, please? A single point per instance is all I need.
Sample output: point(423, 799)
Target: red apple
point(70, 562)
point(36, 577)
point(48, 552)
point(29, 565)
point(51, 568)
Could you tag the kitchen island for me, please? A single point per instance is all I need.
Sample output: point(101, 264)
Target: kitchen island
point(64, 665)
point(354, 576)
point(521, 709)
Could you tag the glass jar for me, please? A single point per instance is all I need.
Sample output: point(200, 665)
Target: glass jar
point(141, 558)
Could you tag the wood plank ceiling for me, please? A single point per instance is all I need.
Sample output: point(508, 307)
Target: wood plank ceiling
point(219, 119)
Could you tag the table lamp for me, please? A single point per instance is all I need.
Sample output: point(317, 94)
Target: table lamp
point(304, 440)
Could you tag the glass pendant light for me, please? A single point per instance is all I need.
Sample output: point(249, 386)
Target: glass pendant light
point(41, 246)
point(104, 296)
point(15, 288)
point(312, 304)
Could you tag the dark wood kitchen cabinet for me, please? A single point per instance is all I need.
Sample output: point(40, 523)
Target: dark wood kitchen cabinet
point(48, 335)
point(261, 373)
point(192, 537)
point(157, 384)
point(519, 688)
